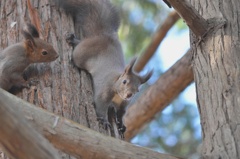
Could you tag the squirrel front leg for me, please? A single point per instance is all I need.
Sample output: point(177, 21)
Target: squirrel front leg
point(18, 80)
point(119, 113)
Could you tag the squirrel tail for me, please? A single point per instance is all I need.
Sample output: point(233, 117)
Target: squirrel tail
point(94, 17)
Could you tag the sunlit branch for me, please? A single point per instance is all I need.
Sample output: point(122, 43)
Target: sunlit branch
point(156, 41)
point(159, 95)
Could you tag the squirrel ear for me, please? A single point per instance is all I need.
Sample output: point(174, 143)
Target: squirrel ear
point(29, 41)
point(129, 68)
point(32, 30)
point(144, 79)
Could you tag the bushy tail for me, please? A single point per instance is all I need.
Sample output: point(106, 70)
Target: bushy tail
point(95, 17)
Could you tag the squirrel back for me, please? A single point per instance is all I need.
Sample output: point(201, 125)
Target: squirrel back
point(95, 17)
point(15, 58)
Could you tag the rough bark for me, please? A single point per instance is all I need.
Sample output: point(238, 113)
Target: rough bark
point(61, 88)
point(76, 139)
point(193, 19)
point(159, 95)
point(216, 72)
point(18, 138)
point(156, 41)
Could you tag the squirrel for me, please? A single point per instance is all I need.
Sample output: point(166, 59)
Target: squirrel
point(16, 58)
point(100, 53)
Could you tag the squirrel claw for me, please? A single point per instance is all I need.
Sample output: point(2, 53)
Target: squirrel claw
point(33, 82)
point(69, 37)
point(21, 86)
point(107, 125)
point(104, 122)
point(118, 121)
point(122, 129)
point(121, 126)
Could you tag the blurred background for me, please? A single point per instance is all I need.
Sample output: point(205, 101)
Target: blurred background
point(176, 130)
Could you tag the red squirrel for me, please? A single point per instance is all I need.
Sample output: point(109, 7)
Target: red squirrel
point(100, 53)
point(16, 58)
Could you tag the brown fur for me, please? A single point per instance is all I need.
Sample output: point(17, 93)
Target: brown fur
point(15, 58)
point(34, 16)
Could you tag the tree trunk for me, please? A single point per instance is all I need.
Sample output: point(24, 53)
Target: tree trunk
point(61, 88)
point(216, 72)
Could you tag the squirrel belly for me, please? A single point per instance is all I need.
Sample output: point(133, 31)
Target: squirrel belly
point(13, 62)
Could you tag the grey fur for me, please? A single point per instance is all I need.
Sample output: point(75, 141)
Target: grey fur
point(100, 53)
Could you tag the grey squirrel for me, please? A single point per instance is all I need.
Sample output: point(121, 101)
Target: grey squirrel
point(100, 53)
point(15, 58)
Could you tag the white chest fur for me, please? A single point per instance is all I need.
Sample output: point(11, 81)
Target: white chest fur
point(117, 99)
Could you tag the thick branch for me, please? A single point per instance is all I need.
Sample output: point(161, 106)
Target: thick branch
point(194, 20)
point(78, 140)
point(159, 95)
point(17, 138)
point(156, 40)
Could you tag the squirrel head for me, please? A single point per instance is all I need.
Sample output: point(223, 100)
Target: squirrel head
point(128, 83)
point(37, 50)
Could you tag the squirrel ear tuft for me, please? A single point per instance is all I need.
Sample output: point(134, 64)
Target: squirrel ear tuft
point(129, 68)
point(32, 30)
point(29, 41)
point(146, 77)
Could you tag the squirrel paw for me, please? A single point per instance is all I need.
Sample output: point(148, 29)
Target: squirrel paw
point(23, 85)
point(120, 125)
point(69, 37)
point(33, 82)
point(104, 122)
point(122, 129)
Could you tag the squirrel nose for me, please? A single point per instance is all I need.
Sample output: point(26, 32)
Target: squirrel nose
point(129, 95)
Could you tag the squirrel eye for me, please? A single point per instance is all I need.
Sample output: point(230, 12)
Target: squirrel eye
point(124, 81)
point(44, 52)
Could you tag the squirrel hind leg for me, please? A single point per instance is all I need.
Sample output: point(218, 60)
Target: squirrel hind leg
point(102, 112)
point(71, 39)
point(104, 122)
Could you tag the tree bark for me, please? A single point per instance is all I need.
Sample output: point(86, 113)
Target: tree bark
point(159, 95)
point(18, 138)
point(62, 88)
point(216, 72)
point(194, 20)
point(76, 139)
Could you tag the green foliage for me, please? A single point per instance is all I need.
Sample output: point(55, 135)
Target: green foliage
point(181, 25)
point(139, 20)
point(175, 131)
